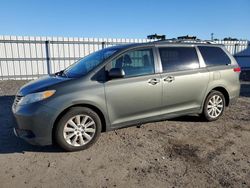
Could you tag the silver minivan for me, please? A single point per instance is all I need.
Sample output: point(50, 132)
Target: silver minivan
point(126, 85)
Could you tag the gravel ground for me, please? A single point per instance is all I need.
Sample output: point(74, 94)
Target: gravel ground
point(183, 152)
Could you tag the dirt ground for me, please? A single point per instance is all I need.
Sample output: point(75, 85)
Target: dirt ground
point(183, 152)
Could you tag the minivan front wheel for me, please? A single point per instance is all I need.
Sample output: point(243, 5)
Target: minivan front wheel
point(214, 106)
point(78, 129)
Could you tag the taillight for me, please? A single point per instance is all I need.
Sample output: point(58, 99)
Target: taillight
point(237, 69)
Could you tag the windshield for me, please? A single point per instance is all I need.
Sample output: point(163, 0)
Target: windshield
point(88, 63)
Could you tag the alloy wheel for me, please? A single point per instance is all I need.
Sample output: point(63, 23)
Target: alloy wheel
point(215, 106)
point(79, 130)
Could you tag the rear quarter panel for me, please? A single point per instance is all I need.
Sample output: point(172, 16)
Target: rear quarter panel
point(225, 77)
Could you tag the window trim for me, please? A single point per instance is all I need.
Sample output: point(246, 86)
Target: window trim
point(160, 62)
point(152, 48)
point(200, 57)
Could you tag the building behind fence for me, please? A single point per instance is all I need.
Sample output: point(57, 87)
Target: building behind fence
point(32, 57)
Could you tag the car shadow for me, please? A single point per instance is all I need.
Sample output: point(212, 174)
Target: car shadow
point(189, 118)
point(9, 143)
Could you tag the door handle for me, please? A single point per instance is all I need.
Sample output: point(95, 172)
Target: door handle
point(169, 79)
point(153, 81)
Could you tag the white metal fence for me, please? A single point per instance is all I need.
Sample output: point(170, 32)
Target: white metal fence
point(32, 57)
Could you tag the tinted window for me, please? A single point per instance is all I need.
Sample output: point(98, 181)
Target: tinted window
point(135, 63)
point(178, 58)
point(214, 56)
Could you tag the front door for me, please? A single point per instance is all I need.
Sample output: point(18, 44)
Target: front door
point(136, 96)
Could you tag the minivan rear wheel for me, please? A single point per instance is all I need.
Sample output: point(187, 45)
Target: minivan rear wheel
point(78, 129)
point(214, 106)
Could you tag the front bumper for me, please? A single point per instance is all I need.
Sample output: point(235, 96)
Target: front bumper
point(34, 123)
point(27, 135)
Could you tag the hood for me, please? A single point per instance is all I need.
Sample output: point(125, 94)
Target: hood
point(41, 84)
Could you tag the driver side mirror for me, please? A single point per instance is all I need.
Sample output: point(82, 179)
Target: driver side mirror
point(116, 73)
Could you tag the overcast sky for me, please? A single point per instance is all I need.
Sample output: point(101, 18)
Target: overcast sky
point(126, 18)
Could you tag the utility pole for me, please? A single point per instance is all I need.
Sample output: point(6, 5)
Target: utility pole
point(212, 36)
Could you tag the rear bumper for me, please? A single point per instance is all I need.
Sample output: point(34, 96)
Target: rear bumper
point(34, 123)
point(234, 94)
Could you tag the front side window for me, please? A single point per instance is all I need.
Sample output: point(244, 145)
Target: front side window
point(135, 63)
point(214, 56)
point(178, 58)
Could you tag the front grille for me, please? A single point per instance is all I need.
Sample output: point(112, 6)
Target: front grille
point(17, 100)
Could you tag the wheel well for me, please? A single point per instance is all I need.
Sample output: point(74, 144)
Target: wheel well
point(224, 92)
point(94, 108)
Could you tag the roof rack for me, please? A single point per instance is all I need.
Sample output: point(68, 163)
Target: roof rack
point(156, 36)
point(230, 39)
point(188, 39)
point(180, 39)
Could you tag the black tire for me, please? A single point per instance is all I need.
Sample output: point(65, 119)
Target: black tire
point(59, 129)
point(206, 113)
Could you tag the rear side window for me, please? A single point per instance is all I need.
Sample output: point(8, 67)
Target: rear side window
point(214, 56)
point(178, 58)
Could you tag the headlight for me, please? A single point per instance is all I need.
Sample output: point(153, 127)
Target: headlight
point(34, 97)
